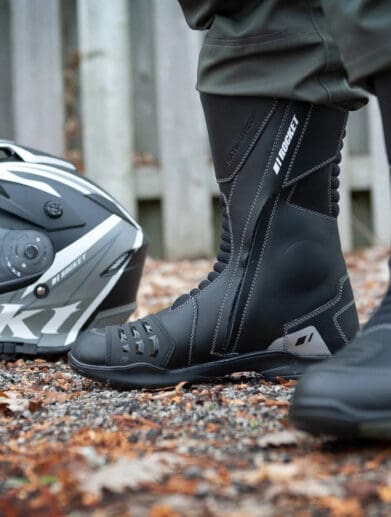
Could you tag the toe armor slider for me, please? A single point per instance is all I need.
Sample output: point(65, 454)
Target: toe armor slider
point(132, 341)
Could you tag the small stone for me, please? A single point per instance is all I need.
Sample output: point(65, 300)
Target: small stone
point(133, 438)
point(133, 407)
point(193, 472)
point(202, 491)
point(152, 434)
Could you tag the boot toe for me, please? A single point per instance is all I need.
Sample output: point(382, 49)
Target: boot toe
point(316, 406)
point(340, 399)
point(90, 348)
point(357, 377)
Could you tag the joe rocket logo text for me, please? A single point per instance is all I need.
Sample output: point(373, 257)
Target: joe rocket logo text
point(285, 144)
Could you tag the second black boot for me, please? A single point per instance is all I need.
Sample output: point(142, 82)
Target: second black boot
point(279, 298)
point(351, 395)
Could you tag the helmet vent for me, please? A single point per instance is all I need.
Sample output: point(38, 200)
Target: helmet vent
point(8, 155)
point(117, 264)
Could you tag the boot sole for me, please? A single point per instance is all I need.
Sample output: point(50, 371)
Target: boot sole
point(331, 417)
point(143, 375)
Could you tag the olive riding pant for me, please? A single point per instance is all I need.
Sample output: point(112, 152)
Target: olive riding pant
point(320, 51)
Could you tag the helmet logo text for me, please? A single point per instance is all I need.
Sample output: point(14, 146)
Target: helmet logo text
point(69, 269)
point(14, 319)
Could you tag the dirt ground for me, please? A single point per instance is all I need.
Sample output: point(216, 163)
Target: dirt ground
point(70, 446)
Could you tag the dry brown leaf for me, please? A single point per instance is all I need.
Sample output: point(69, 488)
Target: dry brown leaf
point(342, 507)
point(130, 473)
point(288, 437)
point(375, 462)
point(11, 402)
point(277, 403)
point(385, 493)
point(308, 488)
point(160, 510)
point(179, 485)
point(163, 395)
point(236, 402)
point(280, 471)
point(145, 421)
point(286, 382)
point(274, 472)
point(349, 469)
point(179, 387)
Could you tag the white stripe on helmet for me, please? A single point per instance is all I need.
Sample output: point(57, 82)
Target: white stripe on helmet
point(7, 175)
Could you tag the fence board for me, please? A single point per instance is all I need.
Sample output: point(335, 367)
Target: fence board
point(6, 116)
point(151, 107)
point(37, 74)
point(105, 72)
point(183, 149)
point(143, 61)
point(380, 180)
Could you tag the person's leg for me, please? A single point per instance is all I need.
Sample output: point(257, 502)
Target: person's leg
point(279, 297)
point(351, 394)
point(361, 29)
point(271, 48)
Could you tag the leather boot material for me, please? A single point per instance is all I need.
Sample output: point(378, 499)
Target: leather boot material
point(279, 297)
point(350, 395)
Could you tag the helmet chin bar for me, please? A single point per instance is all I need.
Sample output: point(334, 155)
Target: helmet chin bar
point(26, 255)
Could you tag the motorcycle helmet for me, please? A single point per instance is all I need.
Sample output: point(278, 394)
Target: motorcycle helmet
point(71, 257)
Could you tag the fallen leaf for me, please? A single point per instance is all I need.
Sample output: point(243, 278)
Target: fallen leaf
point(309, 488)
point(375, 462)
point(277, 403)
point(286, 382)
point(275, 472)
point(131, 473)
point(159, 510)
point(349, 469)
point(179, 387)
point(11, 402)
point(385, 493)
point(288, 437)
point(236, 402)
point(342, 507)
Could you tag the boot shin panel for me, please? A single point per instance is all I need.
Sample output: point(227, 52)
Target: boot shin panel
point(297, 270)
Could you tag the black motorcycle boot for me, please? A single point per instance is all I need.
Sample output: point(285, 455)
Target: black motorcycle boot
point(279, 298)
point(351, 394)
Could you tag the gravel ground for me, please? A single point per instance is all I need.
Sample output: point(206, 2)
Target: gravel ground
point(70, 446)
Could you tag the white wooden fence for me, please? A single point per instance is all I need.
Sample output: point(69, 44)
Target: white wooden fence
point(137, 74)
